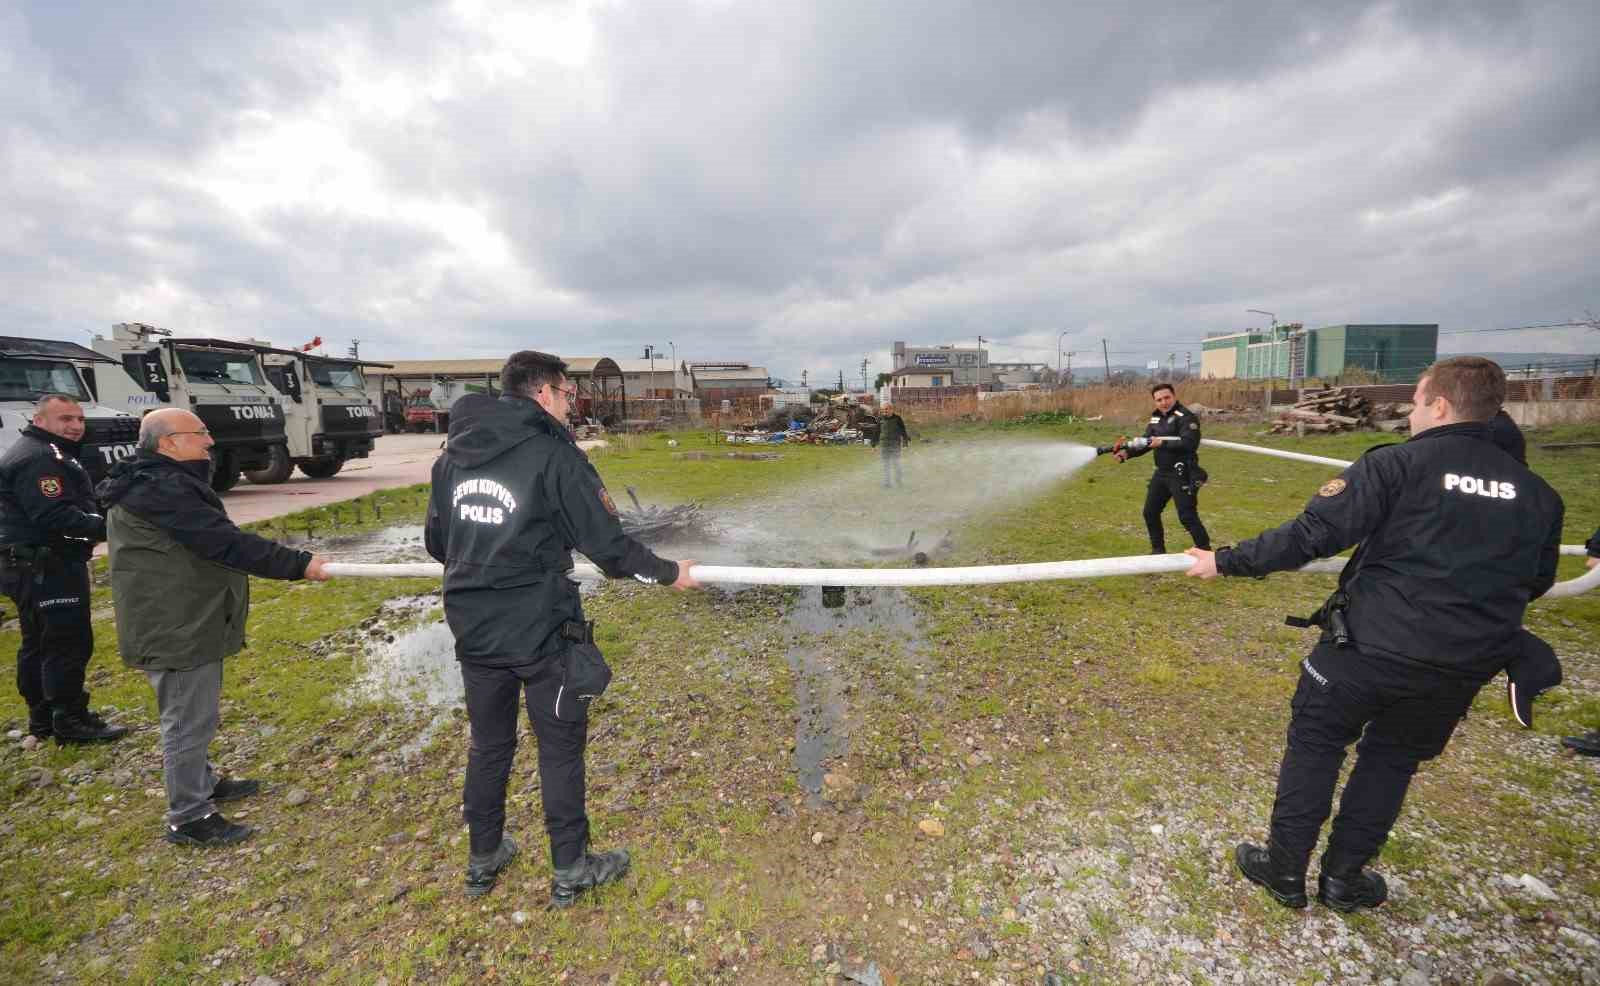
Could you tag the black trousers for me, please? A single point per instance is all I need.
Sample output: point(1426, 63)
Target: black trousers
point(1401, 714)
point(1169, 486)
point(52, 599)
point(492, 697)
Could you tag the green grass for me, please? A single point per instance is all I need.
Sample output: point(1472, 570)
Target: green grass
point(1150, 691)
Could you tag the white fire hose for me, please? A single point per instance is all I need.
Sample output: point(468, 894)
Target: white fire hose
point(1088, 568)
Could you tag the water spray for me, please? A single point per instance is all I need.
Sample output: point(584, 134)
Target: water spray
point(834, 580)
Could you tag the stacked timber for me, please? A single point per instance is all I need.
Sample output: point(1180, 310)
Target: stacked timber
point(1341, 409)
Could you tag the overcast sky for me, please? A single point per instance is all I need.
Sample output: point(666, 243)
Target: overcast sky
point(798, 184)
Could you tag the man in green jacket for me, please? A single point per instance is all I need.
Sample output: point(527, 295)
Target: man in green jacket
point(179, 579)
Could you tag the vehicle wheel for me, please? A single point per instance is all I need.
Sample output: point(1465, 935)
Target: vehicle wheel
point(224, 475)
point(278, 469)
point(323, 468)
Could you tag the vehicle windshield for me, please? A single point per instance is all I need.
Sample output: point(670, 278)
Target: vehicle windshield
point(345, 376)
point(31, 379)
point(219, 365)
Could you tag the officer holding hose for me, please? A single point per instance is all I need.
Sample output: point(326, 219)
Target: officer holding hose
point(1456, 538)
point(512, 496)
point(1174, 434)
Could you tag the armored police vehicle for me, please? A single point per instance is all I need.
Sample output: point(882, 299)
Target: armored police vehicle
point(328, 417)
point(221, 381)
point(31, 368)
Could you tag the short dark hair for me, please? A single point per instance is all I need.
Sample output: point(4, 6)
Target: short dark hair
point(45, 400)
point(528, 370)
point(1474, 386)
point(1157, 388)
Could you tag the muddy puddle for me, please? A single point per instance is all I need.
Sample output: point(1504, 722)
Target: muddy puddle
point(840, 638)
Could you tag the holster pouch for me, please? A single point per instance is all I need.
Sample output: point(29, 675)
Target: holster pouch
point(1331, 617)
point(1190, 476)
point(584, 672)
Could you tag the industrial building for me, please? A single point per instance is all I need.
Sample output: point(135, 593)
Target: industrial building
point(718, 382)
point(1396, 352)
point(940, 366)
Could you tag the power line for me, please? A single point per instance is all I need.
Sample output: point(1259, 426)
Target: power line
point(1517, 328)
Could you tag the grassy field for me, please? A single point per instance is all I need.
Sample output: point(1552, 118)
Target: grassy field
point(1028, 779)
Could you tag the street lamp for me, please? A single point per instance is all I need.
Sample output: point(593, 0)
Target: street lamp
point(650, 354)
point(674, 368)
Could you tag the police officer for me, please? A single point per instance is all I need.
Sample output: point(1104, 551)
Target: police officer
point(1456, 537)
point(1588, 744)
point(512, 497)
point(49, 525)
point(892, 437)
point(1178, 476)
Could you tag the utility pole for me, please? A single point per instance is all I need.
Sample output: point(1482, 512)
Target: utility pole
point(1105, 347)
point(803, 379)
point(841, 381)
point(1172, 359)
point(1188, 364)
point(866, 361)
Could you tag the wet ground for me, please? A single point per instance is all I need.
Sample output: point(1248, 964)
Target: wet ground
point(839, 640)
point(841, 637)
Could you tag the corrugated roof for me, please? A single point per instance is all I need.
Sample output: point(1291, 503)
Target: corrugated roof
point(643, 365)
point(478, 367)
point(445, 367)
point(754, 373)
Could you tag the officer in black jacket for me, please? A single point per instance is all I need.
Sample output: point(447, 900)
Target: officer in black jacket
point(1177, 476)
point(513, 495)
point(1589, 743)
point(1456, 538)
point(49, 525)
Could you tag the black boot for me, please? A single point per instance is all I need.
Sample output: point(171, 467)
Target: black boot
point(209, 832)
point(78, 725)
point(1587, 745)
point(590, 871)
point(484, 868)
point(39, 721)
point(1258, 866)
point(1348, 888)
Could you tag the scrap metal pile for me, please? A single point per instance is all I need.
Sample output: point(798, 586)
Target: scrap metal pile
point(840, 422)
point(1341, 409)
point(650, 523)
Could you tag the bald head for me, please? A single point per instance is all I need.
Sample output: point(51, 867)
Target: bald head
point(174, 433)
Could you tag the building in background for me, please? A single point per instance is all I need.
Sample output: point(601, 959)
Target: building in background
point(941, 366)
point(1391, 352)
point(732, 382)
point(1021, 376)
point(657, 378)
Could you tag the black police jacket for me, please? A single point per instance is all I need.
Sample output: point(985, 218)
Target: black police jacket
point(1592, 546)
point(512, 496)
point(1456, 539)
point(46, 497)
point(1180, 423)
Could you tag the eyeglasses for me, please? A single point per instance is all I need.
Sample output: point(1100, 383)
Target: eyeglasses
point(202, 431)
point(570, 393)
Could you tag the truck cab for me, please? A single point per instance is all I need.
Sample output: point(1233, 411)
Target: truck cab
point(32, 368)
point(329, 418)
point(221, 381)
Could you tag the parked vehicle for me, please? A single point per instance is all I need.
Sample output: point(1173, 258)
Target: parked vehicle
point(221, 381)
point(32, 368)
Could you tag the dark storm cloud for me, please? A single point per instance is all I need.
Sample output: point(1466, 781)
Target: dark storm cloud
point(798, 184)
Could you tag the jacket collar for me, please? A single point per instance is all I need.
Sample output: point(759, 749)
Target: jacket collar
point(1471, 429)
point(66, 444)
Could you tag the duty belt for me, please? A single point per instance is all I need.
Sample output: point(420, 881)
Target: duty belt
point(579, 632)
point(1331, 617)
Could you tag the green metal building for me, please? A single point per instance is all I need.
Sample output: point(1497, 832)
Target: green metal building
point(1395, 352)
